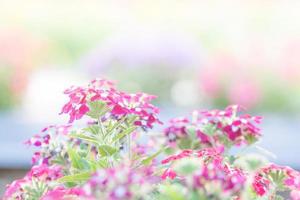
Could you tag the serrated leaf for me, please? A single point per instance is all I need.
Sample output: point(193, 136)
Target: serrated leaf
point(97, 109)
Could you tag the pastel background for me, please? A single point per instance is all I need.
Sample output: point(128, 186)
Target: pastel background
point(191, 54)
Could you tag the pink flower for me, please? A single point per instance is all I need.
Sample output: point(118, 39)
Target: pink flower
point(50, 143)
point(119, 103)
point(169, 173)
point(44, 172)
point(39, 173)
point(61, 193)
point(278, 175)
point(295, 195)
point(260, 185)
point(183, 154)
point(211, 126)
point(245, 92)
point(14, 189)
point(120, 182)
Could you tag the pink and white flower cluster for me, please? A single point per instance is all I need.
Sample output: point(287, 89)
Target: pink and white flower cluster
point(210, 169)
point(215, 128)
point(121, 182)
point(50, 143)
point(189, 159)
point(39, 175)
point(117, 102)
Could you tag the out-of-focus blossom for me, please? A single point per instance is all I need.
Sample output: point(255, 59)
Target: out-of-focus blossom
point(245, 92)
point(275, 177)
point(120, 182)
point(144, 48)
point(51, 143)
point(39, 179)
point(295, 195)
point(61, 193)
point(214, 128)
point(209, 170)
point(220, 83)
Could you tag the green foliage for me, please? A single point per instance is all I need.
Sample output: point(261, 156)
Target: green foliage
point(79, 177)
point(35, 190)
point(97, 109)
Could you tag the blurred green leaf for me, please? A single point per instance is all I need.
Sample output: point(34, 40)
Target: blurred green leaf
point(106, 150)
point(75, 177)
point(123, 134)
point(76, 160)
point(148, 160)
point(85, 138)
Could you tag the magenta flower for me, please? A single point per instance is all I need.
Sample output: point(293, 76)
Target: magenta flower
point(295, 195)
point(210, 169)
point(39, 174)
point(271, 175)
point(118, 103)
point(51, 142)
point(215, 128)
point(120, 182)
point(61, 193)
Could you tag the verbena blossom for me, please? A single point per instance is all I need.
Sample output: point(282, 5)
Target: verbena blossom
point(214, 128)
point(110, 158)
point(121, 182)
point(62, 193)
point(39, 179)
point(118, 103)
point(210, 171)
point(51, 143)
point(276, 177)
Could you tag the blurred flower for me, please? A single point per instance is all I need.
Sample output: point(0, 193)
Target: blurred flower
point(245, 92)
point(61, 193)
point(120, 182)
point(141, 48)
point(36, 182)
point(51, 143)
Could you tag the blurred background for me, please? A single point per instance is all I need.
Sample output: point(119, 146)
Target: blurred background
point(191, 54)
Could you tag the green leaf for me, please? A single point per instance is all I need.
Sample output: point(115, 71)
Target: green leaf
point(75, 177)
point(94, 129)
point(97, 109)
point(76, 160)
point(123, 134)
point(85, 138)
point(209, 129)
point(106, 150)
point(115, 125)
point(171, 192)
point(148, 160)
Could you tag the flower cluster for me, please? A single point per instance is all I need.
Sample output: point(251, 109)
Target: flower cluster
point(65, 193)
point(118, 103)
point(121, 182)
point(35, 184)
point(273, 178)
point(214, 128)
point(51, 144)
point(205, 168)
point(110, 157)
